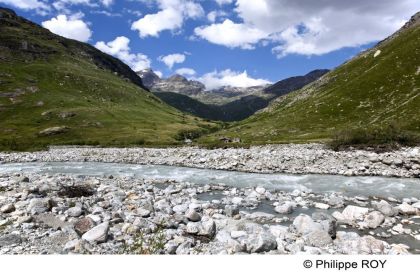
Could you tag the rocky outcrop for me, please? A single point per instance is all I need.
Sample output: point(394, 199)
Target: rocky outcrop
point(148, 77)
point(179, 84)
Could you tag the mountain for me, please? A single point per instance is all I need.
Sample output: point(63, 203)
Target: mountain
point(375, 90)
point(178, 84)
point(232, 103)
point(148, 77)
point(59, 91)
point(232, 111)
point(294, 83)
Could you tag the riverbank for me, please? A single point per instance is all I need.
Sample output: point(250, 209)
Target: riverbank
point(290, 158)
point(67, 214)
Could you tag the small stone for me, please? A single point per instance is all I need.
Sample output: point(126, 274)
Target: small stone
point(97, 234)
point(231, 211)
point(8, 208)
point(144, 213)
point(74, 211)
point(71, 245)
point(180, 208)
point(263, 242)
point(192, 215)
point(286, 208)
point(322, 206)
point(237, 234)
point(237, 200)
point(83, 225)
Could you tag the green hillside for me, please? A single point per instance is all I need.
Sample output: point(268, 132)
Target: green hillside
point(86, 96)
point(376, 89)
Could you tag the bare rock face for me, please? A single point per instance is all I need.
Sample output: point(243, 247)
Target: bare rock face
point(54, 130)
point(179, 84)
point(148, 77)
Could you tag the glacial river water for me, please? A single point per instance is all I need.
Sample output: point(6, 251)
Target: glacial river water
point(350, 186)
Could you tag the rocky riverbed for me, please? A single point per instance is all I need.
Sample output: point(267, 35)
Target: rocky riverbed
point(66, 214)
point(296, 159)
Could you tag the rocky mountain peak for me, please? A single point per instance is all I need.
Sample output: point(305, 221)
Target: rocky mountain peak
point(179, 84)
point(148, 77)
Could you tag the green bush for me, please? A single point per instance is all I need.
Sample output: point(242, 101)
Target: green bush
point(390, 136)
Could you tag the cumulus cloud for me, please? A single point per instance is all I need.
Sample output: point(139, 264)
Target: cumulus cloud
point(70, 27)
point(186, 72)
point(310, 27)
point(172, 59)
point(40, 6)
point(228, 77)
point(120, 48)
point(213, 15)
point(62, 5)
point(223, 2)
point(171, 16)
point(234, 34)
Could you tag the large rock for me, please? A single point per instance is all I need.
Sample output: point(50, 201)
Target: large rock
point(97, 234)
point(318, 238)
point(84, 225)
point(305, 225)
point(385, 208)
point(351, 243)
point(285, 208)
point(263, 242)
point(407, 209)
point(374, 219)
point(39, 205)
point(351, 214)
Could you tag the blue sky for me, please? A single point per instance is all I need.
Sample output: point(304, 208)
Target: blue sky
point(216, 41)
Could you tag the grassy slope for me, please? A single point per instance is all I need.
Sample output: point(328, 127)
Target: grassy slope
point(367, 91)
point(110, 110)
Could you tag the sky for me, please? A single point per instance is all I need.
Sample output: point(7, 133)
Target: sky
point(223, 42)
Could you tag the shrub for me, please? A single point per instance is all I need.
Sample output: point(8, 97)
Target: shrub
point(390, 136)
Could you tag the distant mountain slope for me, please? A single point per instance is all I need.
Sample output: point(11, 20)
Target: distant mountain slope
point(233, 111)
point(59, 91)
point(378, 87)
point(229, 103)
point(294, 83)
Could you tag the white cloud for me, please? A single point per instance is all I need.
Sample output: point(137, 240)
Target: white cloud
point(312, 28)
point(69, 27)
point(223, 2)
point(171, 16)
point(62, 5)
point(309, 27)
point(38, 5)
point(234, 34)
point(172, 59)
point(120, 48)
point(213, 15)
point(228, 77)
point(186, 72)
